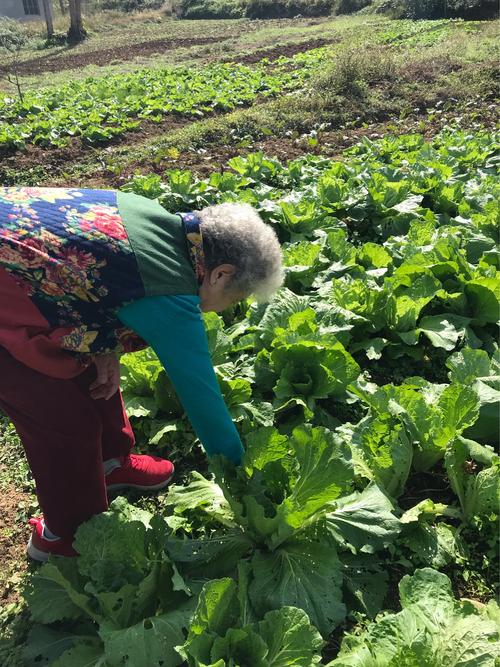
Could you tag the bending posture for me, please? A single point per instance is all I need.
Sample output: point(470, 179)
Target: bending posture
point(86, 275)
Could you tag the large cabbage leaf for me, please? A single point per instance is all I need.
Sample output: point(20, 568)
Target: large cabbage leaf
point(432, 629)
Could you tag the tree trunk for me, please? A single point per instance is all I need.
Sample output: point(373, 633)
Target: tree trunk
point(62, 7)
point(49, 21)
point(76, 32)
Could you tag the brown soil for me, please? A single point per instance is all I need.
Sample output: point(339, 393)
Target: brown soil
point(427, 71)
point(66, 60)
point(13, 539)
point(57, 159)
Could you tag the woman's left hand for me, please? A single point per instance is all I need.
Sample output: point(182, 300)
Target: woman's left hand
point(107, 381)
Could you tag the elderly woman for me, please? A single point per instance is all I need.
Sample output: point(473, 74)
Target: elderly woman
point(86, 275)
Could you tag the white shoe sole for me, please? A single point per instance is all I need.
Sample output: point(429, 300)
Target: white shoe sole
point(36, 554)
point(156, 487)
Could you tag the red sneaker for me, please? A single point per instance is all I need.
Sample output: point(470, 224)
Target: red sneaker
point(140, 471)
point(39, 548)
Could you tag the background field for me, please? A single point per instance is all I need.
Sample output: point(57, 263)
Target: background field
point(109, 113)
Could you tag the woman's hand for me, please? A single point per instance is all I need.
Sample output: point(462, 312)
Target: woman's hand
point(107, 381)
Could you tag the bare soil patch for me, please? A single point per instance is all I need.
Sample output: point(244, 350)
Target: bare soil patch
point(13, 539)
point(427, 71)
point(66, 60)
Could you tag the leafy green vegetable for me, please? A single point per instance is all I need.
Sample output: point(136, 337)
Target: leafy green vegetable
point(360, 383)
point(432, 629)
point(123, 583)
point(474, 367)
point(217, 638)
point(364, 520)
point(478, 492)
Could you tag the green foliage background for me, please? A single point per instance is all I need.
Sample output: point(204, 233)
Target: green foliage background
point(265, 9)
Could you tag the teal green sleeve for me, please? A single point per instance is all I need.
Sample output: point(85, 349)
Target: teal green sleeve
point(173, 326)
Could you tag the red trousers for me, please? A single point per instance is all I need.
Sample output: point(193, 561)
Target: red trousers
point(66, 435)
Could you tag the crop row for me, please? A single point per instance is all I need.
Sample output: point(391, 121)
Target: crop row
point(98, 109)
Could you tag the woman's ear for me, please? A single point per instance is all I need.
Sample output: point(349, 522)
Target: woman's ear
point(222, 272)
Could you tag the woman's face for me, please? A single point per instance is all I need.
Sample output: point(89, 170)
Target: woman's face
point(216, 293)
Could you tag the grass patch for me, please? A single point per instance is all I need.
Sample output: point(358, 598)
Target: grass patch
point(15, 470)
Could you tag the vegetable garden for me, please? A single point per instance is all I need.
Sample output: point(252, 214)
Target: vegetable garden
point(367, 394)
point(99, 109)
point(361, 529)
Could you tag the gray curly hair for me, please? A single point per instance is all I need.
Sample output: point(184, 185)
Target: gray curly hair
point(235, 234)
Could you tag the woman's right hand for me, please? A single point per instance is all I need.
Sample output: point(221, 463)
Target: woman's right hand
point(107, 381)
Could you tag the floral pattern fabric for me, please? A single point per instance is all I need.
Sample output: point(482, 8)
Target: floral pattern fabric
point(68, 250)
point(192, 227)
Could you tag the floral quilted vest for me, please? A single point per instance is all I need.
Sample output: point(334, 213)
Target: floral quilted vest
point(80, 255)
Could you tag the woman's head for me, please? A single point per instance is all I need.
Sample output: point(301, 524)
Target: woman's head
point(242, 256)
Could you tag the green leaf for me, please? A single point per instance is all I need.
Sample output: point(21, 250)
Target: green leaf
point(44, 645)
point(219, 342)
point(235, 391)
point(262, 447)
point(139, 406)
point(474, 367)
point(214, 556)
point(112, 546)
point(240, 647)
point(434, 546)
point(439, 331)
point(299, 218)
point(290, 638)
point(382, 452)
point(459, 408)
point(218, 608)
point(277, 313)
point(56, 592)
point(364, 520)
point(201, 495)
point(432, 415)
point(468, 365)
point(482, 497)
point(454, 460)
point(366, 583)
point(166, 397)
point(303, 574)
point(312, 370)
point(152, 641)
point(83, 654)
point(324, 473)
point(372, 255)
point(139, 371)
point(483, 298)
